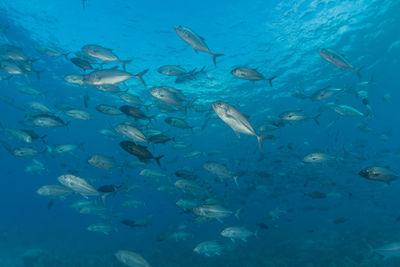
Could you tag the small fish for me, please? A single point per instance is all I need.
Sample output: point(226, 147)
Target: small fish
point(316, 195)
point(336, 59)
point(195, 41)
point(251, 75)
point(209, 248)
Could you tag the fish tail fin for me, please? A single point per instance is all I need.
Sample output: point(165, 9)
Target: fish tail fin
point(8, 79)
point(38, 73)
point(237, 213)
point(214, 58)
point(43, 138)
point(158, 159)
point(83, 3)
point(235, 178)
point(260, 139)
point(256, 232)
point(191, 128)
point(357, 70)
point(316, 119)
point(81, 146)
point(67, 125)
point(124, 62)
point(139, 76)
point(270, 80)
point(66, 55)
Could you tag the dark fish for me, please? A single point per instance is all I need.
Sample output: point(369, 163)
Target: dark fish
point(139, 151)
point(340, 220)
point(190, 76)
point(316, 194)
point(262, 226)
point(160, 139)
point(134, 113)
point(108, 188)
point(138, 223)
point(86, 99)
point(81, 63)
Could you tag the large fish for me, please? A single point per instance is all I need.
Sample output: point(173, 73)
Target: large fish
point(131, 259)
point(78, 185)
point(384, 174)
point(236, 120)
point(195, 41)
point(336, 59)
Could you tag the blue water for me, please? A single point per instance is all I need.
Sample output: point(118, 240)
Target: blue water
point(279, 38)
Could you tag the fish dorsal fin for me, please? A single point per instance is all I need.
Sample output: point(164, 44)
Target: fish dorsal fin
point(247, 116)
point(387, 166)
point(202, 38)
point(114, 68)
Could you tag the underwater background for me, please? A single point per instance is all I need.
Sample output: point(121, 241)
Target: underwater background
point(299, 213)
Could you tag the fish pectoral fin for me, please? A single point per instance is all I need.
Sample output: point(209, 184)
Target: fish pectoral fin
point(220, 220)
point(233, 240)
point(244, 239)
point(237, 134)
point(84, 196)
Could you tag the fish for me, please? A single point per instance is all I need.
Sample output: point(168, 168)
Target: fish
point(131, 259)
point(133, 100)
point(138, 223)
point(110, 76)
point(325, 93)
point(103, 162)
point(237, 121)
point(160, 139)
point(240, 233)
point(209, 248)
point(153, 174)
point(65, 148)
point(78, 185)
point(108, 109)
point(78, 114)
point(376, 173)
point(295, 116)
point(81, 63)
point(135, 113)
point(46, 120)
point(220, 170)
point(190, 76)
point(336, 59)
point(317, 157)
point(389, 251)
point(178, 123)
point(251, 75)
point(104, 54)
point(74, 79)
point(51, 51)
point(12, 52)
point(172, 70)
point(195, 41)
point(30, 91)
point(54, 191)
point(100, 227)
point(348, 111)
point(316, 195)
point(214, 211)
point(26, 152)
point(130, 132)
point(86, 99)
point(18, 134)
point(170, 96)
point(139, 151)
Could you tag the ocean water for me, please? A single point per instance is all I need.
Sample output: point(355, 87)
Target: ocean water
point(299, 213)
